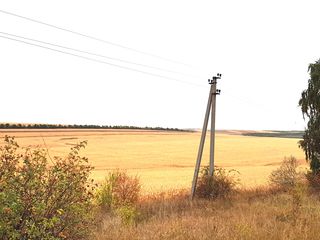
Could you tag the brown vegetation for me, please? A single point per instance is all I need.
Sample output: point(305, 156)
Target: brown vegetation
point(284, 210)
point(263, 213)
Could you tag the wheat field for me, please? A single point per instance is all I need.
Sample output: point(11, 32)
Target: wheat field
point(165, 160)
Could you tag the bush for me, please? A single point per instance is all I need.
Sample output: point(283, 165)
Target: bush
point(42, 201)
point(118, 189)
point(221, 184)
point(286, 176)
point(129, 214)
point(314, 180)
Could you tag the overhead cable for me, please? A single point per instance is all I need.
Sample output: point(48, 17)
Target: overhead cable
point(97, 55)
point(94, 38)
point(104, 62)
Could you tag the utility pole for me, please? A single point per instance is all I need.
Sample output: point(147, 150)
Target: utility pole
point(211, 105)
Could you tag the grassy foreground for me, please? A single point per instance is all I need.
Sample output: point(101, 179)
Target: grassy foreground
point(262, 213)
point(55, 198)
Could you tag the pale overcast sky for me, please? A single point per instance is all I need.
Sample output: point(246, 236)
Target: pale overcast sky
point(262, 49)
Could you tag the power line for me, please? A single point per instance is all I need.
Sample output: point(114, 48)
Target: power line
point(104, 62)
point(94, 38)
point(97, 55)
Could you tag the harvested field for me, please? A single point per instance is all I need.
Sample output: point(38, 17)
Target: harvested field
point(165, 160)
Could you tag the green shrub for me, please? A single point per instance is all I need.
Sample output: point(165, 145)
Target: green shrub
point(39, 200)
point(129, 214)
point(286, 176)
point(118, 189)
point(220, 185)
point(118, 195)
point(104, 196)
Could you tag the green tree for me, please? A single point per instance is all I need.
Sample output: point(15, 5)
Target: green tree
point(310, 107)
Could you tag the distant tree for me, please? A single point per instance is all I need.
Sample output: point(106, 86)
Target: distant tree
point(310, 107)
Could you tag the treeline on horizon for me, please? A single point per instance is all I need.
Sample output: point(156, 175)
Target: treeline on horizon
point(79, 126)
point(277, 134)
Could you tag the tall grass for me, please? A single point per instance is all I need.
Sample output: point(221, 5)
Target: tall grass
point(264, 213)
point(283, 210)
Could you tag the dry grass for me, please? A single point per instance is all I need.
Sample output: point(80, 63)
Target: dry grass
point(252, 214)
point(165, 160)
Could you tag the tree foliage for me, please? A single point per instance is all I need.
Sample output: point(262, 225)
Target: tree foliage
point(41, 199)
point(310, 107)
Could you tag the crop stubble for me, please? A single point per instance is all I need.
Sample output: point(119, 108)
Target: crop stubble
point(165, 160)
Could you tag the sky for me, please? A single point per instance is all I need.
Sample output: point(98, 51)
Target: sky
point(261, 48)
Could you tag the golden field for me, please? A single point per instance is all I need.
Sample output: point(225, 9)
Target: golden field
point(165, 160)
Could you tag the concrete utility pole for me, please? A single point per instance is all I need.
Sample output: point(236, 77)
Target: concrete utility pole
point(211, 104)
